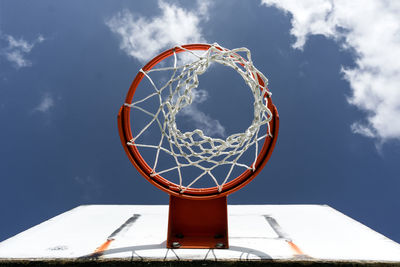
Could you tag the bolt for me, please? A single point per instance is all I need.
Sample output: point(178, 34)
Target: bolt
point(176, 244)
point(179, 235)
point(219, 245)
point(218, 236)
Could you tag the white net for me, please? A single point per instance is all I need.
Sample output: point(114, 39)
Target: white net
point(194, 149)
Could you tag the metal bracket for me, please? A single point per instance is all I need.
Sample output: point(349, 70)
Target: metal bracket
point(197, 223)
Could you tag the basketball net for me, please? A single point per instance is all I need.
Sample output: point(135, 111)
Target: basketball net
point(194, 148)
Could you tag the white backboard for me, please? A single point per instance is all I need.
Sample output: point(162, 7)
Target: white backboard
point(138, 232)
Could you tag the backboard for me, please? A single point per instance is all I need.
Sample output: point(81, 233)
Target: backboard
point(263, 233)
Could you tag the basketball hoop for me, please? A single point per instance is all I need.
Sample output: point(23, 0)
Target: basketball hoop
point(195, 149)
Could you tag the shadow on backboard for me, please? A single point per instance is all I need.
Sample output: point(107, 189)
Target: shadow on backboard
point(245, 253)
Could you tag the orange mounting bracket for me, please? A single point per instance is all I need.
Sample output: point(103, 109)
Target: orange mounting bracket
point(197, 223)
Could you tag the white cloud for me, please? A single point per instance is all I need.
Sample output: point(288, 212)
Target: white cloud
point(371, 28)
point(208, 125)
point(17, 58)
point(143, 38)
point(17, 50)
point(45, 104)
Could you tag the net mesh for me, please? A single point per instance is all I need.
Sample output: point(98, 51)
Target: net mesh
point(195, 149)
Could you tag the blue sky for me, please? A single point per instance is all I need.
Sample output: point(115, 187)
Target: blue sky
point(65, 68)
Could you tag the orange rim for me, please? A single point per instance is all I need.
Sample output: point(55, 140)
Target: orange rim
point(171, 188)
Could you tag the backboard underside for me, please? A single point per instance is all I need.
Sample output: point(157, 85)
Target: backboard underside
point(256, 232)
